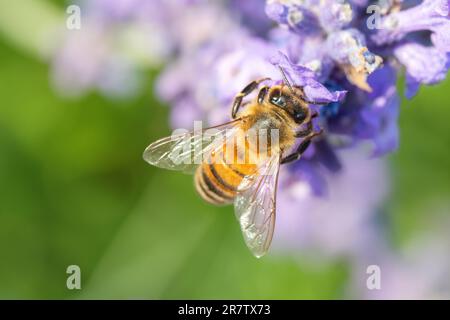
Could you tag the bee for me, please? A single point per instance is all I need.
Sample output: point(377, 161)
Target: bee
point(244, 173)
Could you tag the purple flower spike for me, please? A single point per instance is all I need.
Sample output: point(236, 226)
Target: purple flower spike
point(306, 78)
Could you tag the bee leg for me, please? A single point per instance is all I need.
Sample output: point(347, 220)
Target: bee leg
point(306, 132)
point(301, 148)
point(309, 129)
point(245, 92)
point(262, 94)
point(313, 102)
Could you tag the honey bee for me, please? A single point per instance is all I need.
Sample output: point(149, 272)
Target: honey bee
point(244, 173)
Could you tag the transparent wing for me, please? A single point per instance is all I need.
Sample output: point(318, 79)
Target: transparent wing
point(184, 152)
point(255, 206)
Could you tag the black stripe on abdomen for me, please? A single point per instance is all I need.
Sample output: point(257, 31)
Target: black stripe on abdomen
point(214, 188)
point(207, 190)
point(221, 181)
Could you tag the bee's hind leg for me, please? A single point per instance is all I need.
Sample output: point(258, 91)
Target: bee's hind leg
point(301, 148)
point(245, 92)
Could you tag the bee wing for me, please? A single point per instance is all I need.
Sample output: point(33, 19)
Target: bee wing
point(255, 206)
point(184, 152)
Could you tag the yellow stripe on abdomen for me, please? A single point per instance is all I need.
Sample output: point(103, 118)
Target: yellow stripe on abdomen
point(217, 181)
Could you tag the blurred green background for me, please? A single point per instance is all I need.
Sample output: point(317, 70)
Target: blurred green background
point(75, 190)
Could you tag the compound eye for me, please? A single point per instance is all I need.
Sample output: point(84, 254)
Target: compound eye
point(279, 101)
point(299, 116)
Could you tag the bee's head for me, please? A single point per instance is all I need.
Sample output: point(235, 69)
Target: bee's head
point(290, 100)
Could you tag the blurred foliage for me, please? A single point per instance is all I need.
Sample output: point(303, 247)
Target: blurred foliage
point(420, 168)
point(75, 190)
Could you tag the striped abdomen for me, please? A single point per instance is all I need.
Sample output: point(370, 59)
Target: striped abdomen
point(217, 181)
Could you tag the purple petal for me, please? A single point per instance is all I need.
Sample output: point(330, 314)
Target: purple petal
point(252, 14)
point(425, 65)
point(316, 92)
point(412, 87)
point(382, 113)
point(298, 18)
point(306, 78)
point(387, 139)
point(334, 15)
point(441, 37)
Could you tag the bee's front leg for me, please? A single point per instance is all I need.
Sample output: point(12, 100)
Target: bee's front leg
point(301, 148)
point(245, 92)
point(309, 128)
point(306, 132)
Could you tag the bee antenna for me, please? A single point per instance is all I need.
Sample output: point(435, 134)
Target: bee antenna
point(286, 79)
